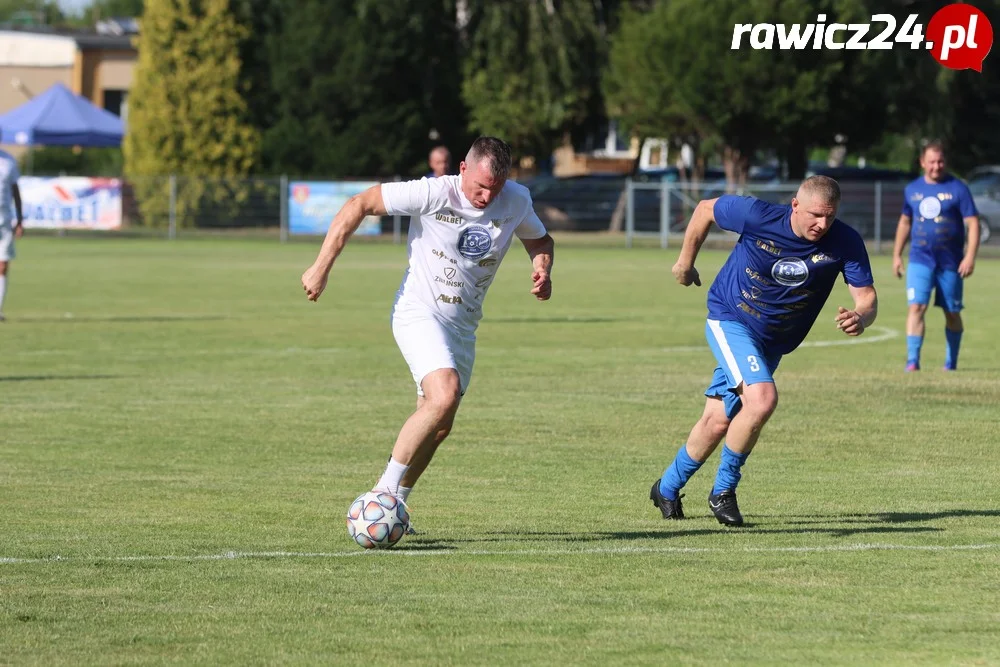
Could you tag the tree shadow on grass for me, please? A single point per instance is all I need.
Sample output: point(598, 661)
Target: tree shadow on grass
point(425, 544)
point(887, 517)
point(827, 525)
point(122, 318)
point(668, 533)
point(568, 319)
point(43, 378)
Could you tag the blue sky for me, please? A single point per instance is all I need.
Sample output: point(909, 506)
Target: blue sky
point(73, 6)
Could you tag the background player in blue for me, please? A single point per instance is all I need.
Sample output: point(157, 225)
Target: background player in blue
point(760, 307)
point(937, 210)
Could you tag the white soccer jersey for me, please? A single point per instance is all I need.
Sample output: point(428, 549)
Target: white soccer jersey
point(8, 178)
point(454, 248)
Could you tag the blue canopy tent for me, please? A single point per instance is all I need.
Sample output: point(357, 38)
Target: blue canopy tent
point(58, 117)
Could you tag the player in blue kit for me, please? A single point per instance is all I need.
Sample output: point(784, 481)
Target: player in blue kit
point(760, 307)
point(937, 211)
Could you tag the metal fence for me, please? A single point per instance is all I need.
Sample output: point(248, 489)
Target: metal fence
point(663, 209)
point(172, 206)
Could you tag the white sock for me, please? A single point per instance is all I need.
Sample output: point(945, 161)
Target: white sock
point(392, 477)
point(404, 492)
point(3, 291)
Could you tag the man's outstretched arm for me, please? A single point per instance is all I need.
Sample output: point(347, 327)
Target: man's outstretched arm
point(968, 263)
point(15, 193)
point(345, 223)
point(903, 228)
point(694, 237)
point(854, 322)
point(541, 252)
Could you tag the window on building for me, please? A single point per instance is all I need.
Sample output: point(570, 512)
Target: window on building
point(115, 102)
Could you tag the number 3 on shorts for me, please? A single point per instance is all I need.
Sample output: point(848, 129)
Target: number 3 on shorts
point(754, 365)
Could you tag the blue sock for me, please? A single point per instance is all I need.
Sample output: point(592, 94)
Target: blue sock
point(729, 471)
point(913, 344)
point(678, 473)
point(954, 339)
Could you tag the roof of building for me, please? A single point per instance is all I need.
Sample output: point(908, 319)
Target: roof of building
point(85, 39)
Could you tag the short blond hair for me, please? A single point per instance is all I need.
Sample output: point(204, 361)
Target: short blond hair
point(933, 145)
point(823, 187)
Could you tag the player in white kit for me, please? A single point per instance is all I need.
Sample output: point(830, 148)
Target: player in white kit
point(11, 226)
point(461, 227)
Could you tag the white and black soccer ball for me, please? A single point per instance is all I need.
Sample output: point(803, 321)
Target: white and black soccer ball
point(377, 520)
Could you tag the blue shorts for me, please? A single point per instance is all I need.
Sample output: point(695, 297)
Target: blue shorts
point(947, 285)
point(742, 360)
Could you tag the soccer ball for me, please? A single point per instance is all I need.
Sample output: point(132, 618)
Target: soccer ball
point(377, 520)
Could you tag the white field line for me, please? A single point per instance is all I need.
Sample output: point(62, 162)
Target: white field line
point(400, 553)
point(874, 335)
point(883, 334)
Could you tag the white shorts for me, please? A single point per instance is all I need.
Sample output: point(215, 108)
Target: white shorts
point(428, 345)
point(6, 243)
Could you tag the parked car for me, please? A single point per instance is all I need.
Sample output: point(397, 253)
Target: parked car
point(588, 203)
point(579, 203)
point(984, 184)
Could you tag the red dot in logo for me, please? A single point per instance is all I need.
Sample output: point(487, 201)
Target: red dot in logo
point(300, 193)
point(961, 36)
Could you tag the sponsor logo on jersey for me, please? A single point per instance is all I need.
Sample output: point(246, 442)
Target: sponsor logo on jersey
point(449, 217)
point(474, 243)
point(790, 272)
point(756, 277)
point(489, 261)
point(454, 300)
point(500, 222)
point(449, 272)
point(748, 310)
point(930, 207)
point(484, 281)
point(768, 247)
point(449, 283)
point(441, 255)
point(820, 257)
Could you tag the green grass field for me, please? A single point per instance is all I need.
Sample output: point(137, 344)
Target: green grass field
point(182, 433)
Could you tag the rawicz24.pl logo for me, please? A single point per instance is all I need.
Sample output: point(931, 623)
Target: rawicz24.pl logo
point(959, 36)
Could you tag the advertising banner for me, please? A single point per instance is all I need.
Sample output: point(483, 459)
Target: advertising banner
point(312, 205)
point(71, 202)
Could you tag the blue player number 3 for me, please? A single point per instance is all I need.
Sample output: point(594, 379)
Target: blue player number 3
point(754, 366)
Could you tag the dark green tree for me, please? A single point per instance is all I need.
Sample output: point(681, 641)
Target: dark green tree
point(532, 70)
point(31, 12)
point(106, 9)
point(362, 88)
point(264, 19)
point(673, 73)
point(959, 107)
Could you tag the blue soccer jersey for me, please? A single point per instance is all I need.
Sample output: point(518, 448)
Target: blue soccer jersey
point(937, 238)
point(774, 282)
